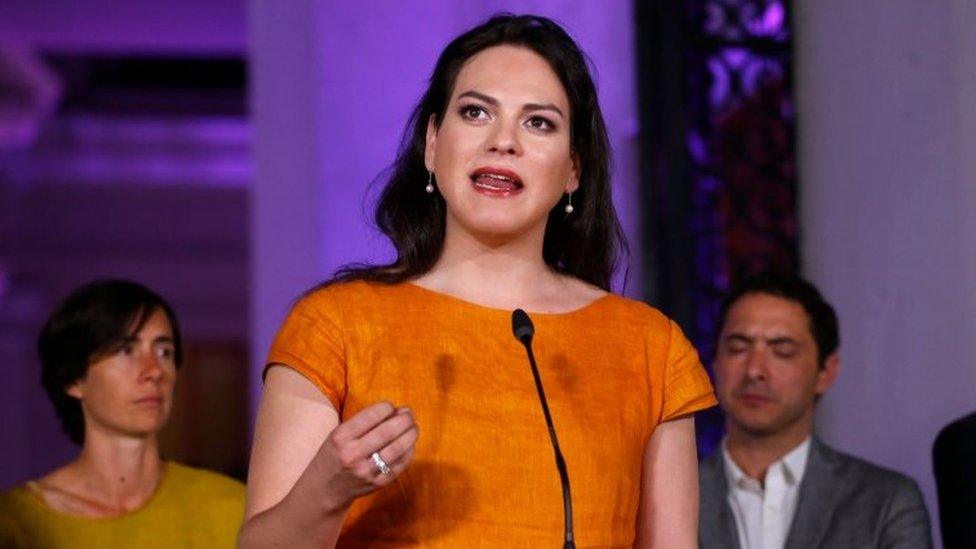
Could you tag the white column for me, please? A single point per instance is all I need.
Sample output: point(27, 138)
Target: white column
point(887, 140)
point(286, 86)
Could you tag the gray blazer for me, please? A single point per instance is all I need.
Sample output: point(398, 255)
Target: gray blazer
point(844, 503)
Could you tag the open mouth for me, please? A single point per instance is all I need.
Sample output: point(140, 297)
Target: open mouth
point(496, 181)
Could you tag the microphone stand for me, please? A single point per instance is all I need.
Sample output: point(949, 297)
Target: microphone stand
point(524, 330)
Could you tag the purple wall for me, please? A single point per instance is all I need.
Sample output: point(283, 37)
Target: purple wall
point(172, 27)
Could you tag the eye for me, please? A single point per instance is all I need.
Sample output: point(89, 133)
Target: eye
point(786, 351)
point(541, 123)
point(736, 346)
point(473, 112)
point(128, 349)
point(166, 352)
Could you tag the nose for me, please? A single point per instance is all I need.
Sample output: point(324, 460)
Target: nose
point(504, 138)
point(150, 368)
point(756, 365)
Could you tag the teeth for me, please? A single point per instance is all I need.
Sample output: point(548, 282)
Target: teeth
point(496, 176)
point(492, 185)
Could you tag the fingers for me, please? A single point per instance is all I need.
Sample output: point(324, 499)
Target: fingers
point(393, 439)
point(397, 455)
point(385, 432)
point(401, 447)
point(381, 428)
point(361, 423)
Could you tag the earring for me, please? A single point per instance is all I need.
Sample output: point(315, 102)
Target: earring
point(430, 183)
point(569, 203)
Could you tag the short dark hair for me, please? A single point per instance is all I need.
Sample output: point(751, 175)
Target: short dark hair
point(93, 322)
point(823, 319)
point(584, 245)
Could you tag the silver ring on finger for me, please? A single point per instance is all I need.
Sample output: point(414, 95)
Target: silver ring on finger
point(380, 463)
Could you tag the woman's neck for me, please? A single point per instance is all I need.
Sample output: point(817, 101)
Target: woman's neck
point(505, 276)
point(111, 476)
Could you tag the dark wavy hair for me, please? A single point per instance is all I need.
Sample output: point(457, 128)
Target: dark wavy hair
point(585, 244)
point(93, 322)
point(823, 320)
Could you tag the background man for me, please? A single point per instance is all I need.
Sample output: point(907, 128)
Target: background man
point(773, 484)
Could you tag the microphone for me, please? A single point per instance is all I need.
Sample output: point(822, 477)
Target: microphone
point(523, 330)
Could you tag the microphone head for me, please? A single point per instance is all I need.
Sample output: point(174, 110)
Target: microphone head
point(522, 326)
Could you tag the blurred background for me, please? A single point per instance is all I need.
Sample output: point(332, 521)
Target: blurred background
point(222, 152)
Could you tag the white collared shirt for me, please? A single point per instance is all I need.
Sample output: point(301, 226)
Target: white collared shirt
point(763, 514)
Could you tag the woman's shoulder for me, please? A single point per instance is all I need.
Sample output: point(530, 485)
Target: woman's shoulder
point(632, 311)
point(14, 498)
point(358, 292)
point(184, 479)
point(17, 507)
point(22, 511)
point(54, 491)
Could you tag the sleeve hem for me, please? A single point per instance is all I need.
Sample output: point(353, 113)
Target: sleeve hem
point(703, 402)
point(291, 361)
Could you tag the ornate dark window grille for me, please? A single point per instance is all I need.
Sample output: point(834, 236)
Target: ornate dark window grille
point(718, 153)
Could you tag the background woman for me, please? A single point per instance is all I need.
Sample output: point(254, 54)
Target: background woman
point(109, 356)
point(499, 199)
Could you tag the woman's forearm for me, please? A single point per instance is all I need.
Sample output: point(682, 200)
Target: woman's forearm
point(301, 519)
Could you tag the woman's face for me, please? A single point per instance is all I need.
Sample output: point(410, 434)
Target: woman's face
point(501, 156)
point(130, 392)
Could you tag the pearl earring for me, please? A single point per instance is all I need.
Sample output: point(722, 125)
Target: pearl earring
point(430, 183)
point(569, 203)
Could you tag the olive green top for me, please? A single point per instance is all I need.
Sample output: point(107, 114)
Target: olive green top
point(191, 508)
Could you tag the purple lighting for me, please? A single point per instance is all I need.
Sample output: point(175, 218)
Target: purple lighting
point(772, 21)
point(735, 20)
point(194, 151)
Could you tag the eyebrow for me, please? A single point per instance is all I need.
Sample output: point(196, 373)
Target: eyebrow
point(771, 341)
point(135, 339)
point(526, 107)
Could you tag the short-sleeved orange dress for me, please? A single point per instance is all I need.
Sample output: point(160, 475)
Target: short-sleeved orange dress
point(483, 473)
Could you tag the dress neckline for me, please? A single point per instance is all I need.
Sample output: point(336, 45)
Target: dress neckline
point(36, 495)
point(495, 310)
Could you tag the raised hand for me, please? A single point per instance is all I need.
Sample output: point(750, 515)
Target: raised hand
point(347, 459)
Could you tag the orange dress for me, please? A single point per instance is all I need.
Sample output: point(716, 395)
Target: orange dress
point(483, 473)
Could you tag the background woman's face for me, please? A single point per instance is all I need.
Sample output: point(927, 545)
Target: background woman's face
point(501, 156)
point(130, 391)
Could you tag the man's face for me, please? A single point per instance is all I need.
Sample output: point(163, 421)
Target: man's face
point(766, 368)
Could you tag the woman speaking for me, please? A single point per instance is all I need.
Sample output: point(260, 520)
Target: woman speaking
point(398, 407)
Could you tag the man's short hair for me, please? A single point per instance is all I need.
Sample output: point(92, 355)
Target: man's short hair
point(823, 319)
point(93, 322)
